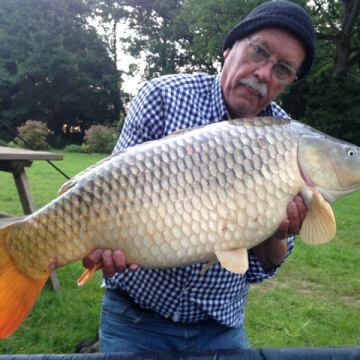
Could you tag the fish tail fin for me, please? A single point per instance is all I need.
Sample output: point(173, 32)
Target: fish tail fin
point(18, 292)
point(89, 273)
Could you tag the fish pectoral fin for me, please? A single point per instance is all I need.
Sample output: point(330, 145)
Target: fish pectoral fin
point(235, 260)
point(18, 291)
point(319, 226)
point(88, 274)
point(208, 265)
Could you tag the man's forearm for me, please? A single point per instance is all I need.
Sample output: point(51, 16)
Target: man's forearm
point(271, 252)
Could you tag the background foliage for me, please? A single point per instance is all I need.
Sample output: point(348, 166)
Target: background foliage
point(57, 67)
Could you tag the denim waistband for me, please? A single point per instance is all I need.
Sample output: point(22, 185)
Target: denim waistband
point(118, 292)
point(125, 296)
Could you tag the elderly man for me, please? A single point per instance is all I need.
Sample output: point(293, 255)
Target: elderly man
point(179, 309)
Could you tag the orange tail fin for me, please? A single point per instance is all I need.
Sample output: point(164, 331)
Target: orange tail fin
point(18, 292)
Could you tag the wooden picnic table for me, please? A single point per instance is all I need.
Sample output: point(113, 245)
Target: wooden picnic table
point(15, 161)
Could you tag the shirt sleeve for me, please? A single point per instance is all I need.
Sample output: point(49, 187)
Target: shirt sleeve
point(145, 118)
point(256, 273)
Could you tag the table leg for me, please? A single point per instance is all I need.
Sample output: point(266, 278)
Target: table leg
point(23, 188)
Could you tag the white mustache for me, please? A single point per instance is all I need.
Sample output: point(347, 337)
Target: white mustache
point(256, 85)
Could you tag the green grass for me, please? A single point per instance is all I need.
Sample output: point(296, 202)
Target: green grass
point(314, 300)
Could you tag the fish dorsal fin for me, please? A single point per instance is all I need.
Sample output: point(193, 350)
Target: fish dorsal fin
point(235, 260)
point(67, 186)
point(319, 226)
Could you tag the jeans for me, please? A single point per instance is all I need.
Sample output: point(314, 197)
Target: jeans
point(125, 327)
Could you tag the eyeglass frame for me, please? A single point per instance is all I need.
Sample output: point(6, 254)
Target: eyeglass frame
point(268, 59)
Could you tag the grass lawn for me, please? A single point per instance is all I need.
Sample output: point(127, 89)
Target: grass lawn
point(313, 301)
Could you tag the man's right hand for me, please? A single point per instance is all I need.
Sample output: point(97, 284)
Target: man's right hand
point(113, 261)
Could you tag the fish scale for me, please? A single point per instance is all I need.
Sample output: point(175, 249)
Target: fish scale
point(209, 193)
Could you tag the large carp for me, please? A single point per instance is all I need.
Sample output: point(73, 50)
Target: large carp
point(196, 195)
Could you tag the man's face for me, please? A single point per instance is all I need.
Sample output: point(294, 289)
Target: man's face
point(249, 87)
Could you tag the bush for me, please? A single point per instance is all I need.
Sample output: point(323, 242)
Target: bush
point(35, 133)
point(74, 148)
point(99, 139)
point(11, 144)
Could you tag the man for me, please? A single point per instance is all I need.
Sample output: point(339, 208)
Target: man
point(179, 309)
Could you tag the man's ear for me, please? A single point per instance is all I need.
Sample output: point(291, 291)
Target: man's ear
point(226, 53)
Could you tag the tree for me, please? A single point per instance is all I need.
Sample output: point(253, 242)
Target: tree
point(338, 25)
point(149, 30)
point(327, 99)
point(54, 67)
point(186, 36)
point(172, 36)
point(201, 27)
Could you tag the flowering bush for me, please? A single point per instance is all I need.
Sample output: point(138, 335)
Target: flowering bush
point(35, 133)
point(100, 139)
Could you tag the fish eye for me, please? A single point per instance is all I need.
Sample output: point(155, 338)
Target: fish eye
point(351, 152)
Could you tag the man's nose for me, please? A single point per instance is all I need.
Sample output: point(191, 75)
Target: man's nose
point(264, 71)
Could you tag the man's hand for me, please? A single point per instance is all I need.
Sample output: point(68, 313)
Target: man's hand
point(112, 261)
point(296, 212)
point(272, 251)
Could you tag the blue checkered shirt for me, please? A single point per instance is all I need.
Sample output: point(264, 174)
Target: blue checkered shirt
point(162, 106)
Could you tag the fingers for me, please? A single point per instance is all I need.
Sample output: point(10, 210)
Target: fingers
point(296, 212)
point(282, 232)
point(112, 261)
point(294, 218)
point(108, 264)
point(93, 258)
point(301, 207)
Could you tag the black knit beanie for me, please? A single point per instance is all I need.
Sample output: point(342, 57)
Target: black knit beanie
point(279, 14)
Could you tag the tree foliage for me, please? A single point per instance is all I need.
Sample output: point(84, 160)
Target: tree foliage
point(328, 99)
point(186, 36)
point(54, 67)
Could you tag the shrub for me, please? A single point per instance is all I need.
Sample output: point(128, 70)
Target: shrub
point(74, 148)
point(35, 133)
point(11, 144)
point(100, 139)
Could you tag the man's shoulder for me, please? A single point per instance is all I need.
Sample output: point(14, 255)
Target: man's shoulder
point(185, 81)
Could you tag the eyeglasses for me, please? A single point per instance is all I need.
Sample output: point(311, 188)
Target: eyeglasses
point(284, 73)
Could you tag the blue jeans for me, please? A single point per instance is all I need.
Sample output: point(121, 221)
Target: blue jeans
point(125, 327)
